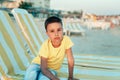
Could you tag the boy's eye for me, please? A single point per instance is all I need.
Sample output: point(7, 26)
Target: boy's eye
point(59, 29)
point(52, 31)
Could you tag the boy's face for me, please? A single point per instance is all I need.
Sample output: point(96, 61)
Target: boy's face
point(55, 32)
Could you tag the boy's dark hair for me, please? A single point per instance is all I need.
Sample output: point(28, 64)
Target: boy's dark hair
point(52, 19)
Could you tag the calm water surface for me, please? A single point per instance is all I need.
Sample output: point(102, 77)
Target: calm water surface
point(98, 42)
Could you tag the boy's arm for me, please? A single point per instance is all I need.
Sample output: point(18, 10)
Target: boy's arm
point(45, 70)
point(70, 63)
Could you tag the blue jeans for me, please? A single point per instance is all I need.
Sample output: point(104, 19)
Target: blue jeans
point(34, 73)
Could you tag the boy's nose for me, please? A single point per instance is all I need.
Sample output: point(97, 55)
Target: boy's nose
point(56, 34)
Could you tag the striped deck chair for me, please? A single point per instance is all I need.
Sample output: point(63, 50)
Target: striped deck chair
point(3, 76)
point(80, 28)
point(73, 27)
point(14, 58)
point(76, 28)
point(93, 67)
point(30, 30)
point(65, 31)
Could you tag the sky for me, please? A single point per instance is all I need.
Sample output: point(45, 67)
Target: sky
point(99, 7)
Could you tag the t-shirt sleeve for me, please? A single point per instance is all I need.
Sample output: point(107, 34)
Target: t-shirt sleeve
point(43, 51)
point(68, 43)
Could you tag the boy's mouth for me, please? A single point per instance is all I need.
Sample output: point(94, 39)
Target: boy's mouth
point(57, 38)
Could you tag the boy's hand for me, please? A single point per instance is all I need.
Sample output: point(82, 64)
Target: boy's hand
point(55, 78)
point(73, 79)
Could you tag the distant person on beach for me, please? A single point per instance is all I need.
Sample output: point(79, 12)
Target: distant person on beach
point(52, 53)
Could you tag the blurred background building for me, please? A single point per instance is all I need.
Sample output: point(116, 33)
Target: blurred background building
point(40, 3)
point(36, 3)
point(38, 8)
point(42, 9)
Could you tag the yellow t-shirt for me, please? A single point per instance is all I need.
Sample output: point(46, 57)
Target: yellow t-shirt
point(55, 56)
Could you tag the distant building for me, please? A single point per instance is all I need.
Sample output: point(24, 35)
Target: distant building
point(40, 3)
point(36, 3)
point(11, 3)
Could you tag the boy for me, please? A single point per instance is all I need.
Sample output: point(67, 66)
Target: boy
point(52, 53)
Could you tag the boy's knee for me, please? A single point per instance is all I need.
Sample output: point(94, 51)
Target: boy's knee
point(31, 76)
point(43, 77)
